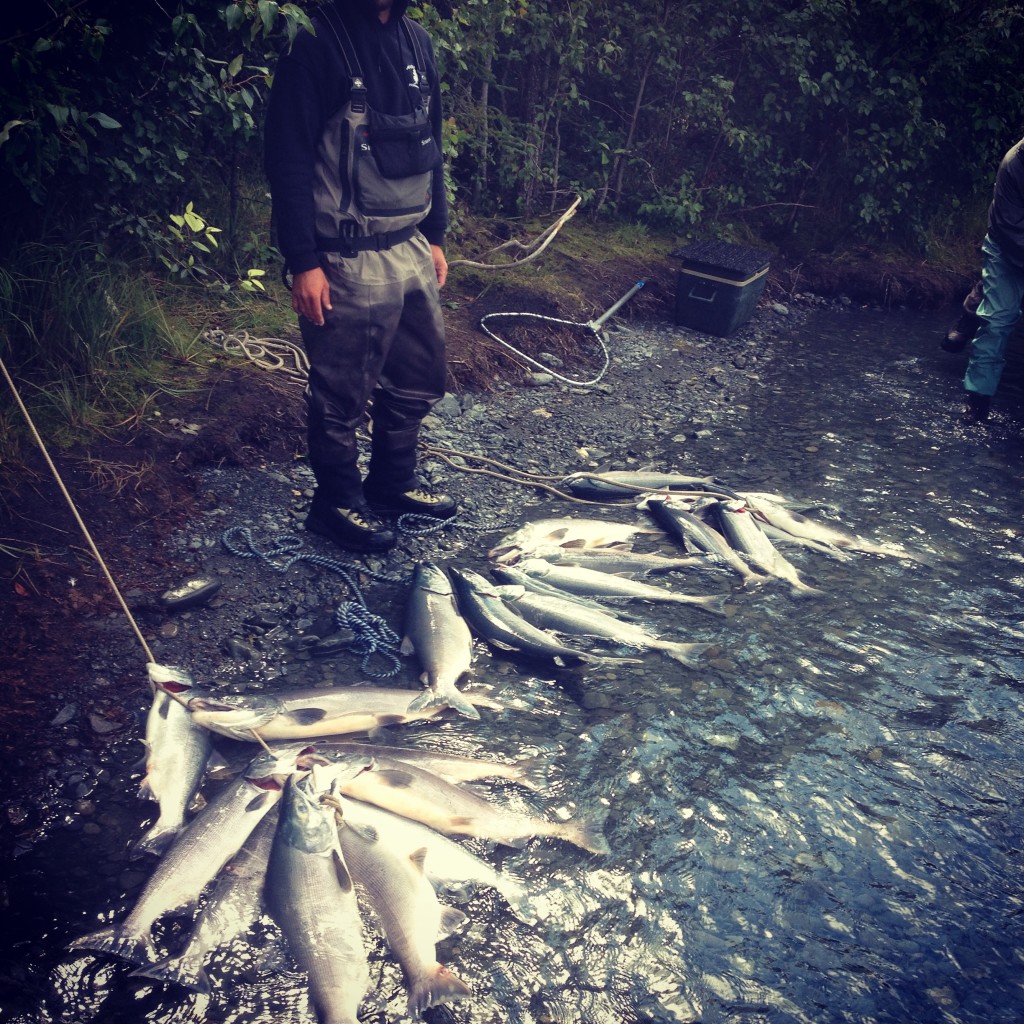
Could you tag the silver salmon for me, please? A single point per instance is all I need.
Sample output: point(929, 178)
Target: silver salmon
point(177, 751)
point(499, 625)
point(627, 483)
point(568, 532)
point(579, 580)
point(550, 613)
point(407, 906)
point(422, 796)
point(305, 713)
point(194, 858)
point(310, 893)
point(743, 531)
point(439, 637)
point(233, 906)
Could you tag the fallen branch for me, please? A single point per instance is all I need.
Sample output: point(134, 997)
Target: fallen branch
point(532, 250)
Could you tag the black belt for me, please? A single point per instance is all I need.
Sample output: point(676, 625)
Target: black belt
point(349, 246)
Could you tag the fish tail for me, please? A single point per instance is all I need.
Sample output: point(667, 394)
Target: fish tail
point(155, 841)
point(514, 893)
point(437, 985)
point(429, 699)
point(185, 970)
point(687, 654)
point(457, 701)
point(716, 603)
point(588, 835)
point(532, 772)
point(136, 948)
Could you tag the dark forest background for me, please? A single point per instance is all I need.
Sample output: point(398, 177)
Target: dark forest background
point(131, 138)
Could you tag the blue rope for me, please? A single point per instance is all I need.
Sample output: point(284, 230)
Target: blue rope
point(372, 633)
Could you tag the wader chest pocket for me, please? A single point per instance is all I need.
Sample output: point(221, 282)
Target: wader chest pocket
point(402, 144)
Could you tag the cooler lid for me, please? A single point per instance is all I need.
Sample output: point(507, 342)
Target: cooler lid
point(712, 256)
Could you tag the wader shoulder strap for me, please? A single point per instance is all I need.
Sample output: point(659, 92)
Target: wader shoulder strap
point(422, 79)
point(357, 86)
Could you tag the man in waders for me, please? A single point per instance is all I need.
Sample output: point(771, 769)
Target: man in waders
point(1002, 286)
point(353, 157)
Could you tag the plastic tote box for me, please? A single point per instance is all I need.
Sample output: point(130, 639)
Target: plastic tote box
point(718, 286)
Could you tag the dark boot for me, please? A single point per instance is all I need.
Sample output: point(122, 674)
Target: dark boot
point(961, 334)
point(354, 529)
point(976, 409)
point(418, 500)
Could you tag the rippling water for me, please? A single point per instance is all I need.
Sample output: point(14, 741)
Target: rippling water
point(824, 824)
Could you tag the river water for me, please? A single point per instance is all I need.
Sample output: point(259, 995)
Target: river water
point(821, 824)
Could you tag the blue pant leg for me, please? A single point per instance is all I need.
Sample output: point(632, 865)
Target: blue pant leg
point(999, 311)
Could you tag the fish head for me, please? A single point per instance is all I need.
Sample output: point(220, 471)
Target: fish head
point(233, 715)
point(170, 679)
point(306, 824)
point(431, 577)
point(272, 765)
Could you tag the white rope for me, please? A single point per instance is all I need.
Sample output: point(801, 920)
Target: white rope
point(274, 354)
point(74, 511)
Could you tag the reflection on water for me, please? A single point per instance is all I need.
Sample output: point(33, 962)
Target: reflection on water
point(824, 824)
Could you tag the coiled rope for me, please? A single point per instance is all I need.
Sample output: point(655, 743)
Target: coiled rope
point(373, 636)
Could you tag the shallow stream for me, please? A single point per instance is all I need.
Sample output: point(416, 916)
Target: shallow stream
point(824, 823)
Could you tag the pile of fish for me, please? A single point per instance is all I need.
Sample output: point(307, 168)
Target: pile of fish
point(558, 583)
point(318, 829)
point(310, 831)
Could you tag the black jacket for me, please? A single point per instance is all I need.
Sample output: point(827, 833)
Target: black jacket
point(310, 85)
point(1006, 214)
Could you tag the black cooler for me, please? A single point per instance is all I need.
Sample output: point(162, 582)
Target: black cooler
point(719, 285)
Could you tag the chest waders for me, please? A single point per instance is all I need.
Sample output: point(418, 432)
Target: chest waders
point(382, 343)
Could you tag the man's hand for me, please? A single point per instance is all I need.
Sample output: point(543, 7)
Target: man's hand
point(440, 265)
point(311, 295)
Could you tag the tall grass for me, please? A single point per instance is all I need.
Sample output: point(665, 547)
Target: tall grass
point(87, 339)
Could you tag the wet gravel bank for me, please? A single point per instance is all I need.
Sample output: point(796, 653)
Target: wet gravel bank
point(275, 618)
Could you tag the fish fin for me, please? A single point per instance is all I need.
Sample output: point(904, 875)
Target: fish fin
point(418, 859)
point(185, 970)
point(136, 948)
point(436, 985)
point(306, 716)
point(451, 921)
point(514, 892)
point(257, 802)
point(197, 803)
point(146, 790)
point(365, 832)
point(532, 772)
point(480, 701)
point(341, 871)
point(687, 654)
point(155, 841)
point(717, 603)
point(573, 544)
point(457, 701)
point(429, 698)
point(216, 762)
point(587, 835)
